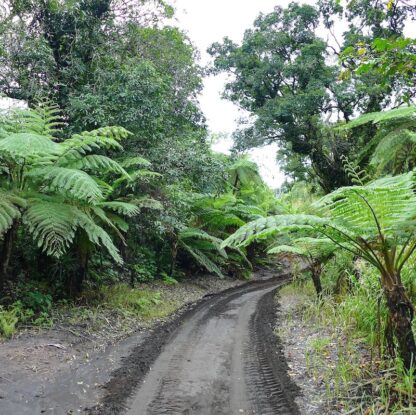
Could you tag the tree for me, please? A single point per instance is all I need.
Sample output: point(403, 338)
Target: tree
point(282, 75)
point(374, 222)
point(316, 252)
point(55, 189)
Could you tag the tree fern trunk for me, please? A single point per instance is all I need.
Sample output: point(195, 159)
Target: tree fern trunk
point(6, 255)
point(401, 312)
point(82, 254)
point(316, 270)
point(78, 276)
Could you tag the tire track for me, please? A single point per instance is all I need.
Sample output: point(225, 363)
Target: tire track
point(219, 358)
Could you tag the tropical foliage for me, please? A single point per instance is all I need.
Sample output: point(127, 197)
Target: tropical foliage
point(107, 174)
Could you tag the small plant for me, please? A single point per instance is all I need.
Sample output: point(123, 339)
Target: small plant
point(8, 321)
point(37, 301)
point(168, 280)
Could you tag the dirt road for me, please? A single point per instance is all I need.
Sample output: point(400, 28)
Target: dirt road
point(222, 359)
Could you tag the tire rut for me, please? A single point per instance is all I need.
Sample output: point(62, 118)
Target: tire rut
point(270, 389)
point(218, 358)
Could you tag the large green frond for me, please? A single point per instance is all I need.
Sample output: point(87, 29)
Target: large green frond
point(135, 161)
point(26, 145)
point(74, 182)
point(203, 260)
point(287, 249)
point(98, 236)
point(383, 203)
point(52, 225)
point(265, 227)
point(98, 163)
point(122, 208)
point(383, 116)
point(10, 209)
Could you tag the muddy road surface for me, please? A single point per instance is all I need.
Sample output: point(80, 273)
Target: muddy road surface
point(222, 358)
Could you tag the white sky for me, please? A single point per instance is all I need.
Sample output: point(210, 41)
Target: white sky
point(206, 22)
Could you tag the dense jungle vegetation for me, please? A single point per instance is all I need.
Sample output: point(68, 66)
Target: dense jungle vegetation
point(107, 175)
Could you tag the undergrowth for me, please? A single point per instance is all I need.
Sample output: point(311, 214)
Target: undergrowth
point(346, 347)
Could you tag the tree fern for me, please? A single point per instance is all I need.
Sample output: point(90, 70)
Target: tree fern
point(59, 188)
point(375, 222)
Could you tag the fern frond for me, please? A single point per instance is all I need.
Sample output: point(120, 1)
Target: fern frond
point(265, 227)
point(98, 236)
point(203, 260)
point(26, 145)
point(147, 203)
point(287, 249)
point(383, 116)
point(45, 119)
point(52, 225)
point(98, 163)
point(134, 161)
point(353, 171)
point(134, 177)
point(390, 200)
point(10, 209)
point(76, 183)
point(103, 138)
point(123, 208)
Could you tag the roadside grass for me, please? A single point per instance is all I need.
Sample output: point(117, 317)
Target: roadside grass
point(118, 307)
point(105, 313)
point(345, 349)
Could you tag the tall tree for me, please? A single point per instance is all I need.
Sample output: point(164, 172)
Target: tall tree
point(282, 75)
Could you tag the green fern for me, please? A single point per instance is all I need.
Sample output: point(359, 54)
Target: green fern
point(356, 175)
point(45, 119)
point(52, 225)
point(75, 183)
point(10, 209)
point(98, 163)
point(393, 147)
point(123, 208)
point(26, 145)
point(53, 194)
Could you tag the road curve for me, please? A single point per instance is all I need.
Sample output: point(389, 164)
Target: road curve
point(223, 359)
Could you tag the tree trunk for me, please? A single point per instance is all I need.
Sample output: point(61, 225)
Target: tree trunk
point(174, 254)
point(82, 249)
point(78, 276)
point(6, 255)
point(401, 313)
point(316, 270)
